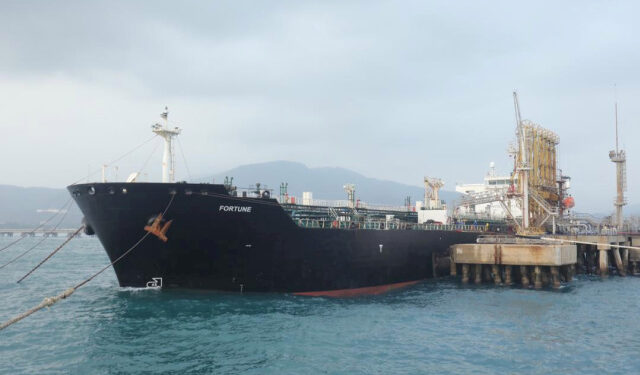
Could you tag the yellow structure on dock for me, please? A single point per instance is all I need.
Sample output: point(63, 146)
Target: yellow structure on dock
point(535, 162)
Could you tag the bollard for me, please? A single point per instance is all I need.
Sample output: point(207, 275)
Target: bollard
point(465, 273)
point(507, 275)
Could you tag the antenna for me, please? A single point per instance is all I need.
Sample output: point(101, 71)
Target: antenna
point(168, 134)
point(615, 94)
point(620, 159)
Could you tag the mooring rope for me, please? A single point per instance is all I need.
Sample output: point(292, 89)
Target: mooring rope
point(39, 226)
point(38, 243)
point(49, 301)
point(186, 166)
point(45, 303)
point(117, 159)
point(148, 158)
point(52, 253)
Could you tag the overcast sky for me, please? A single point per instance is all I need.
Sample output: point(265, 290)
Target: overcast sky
point(393, 90)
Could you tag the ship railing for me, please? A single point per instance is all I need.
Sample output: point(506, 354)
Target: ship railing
point(384, 225)
point(342, 203)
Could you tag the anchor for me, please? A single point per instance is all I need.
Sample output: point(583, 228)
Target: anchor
point(157, 230)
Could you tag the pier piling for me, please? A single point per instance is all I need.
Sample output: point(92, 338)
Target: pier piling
point(544, 262)
point(524, 273)
point(555, 276)
point(507, 275)
point(478, 274)
point(465, 273)
point(537, 277)
point(495, 270)
point(603, 263)
point(618, 260)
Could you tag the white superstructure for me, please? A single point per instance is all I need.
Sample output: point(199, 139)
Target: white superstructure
point(493, 186)
point(432, 210)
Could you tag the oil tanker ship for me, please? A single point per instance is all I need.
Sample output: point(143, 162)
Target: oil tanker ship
point(220, 237)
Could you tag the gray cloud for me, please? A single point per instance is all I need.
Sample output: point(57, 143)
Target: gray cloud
point(391, 89)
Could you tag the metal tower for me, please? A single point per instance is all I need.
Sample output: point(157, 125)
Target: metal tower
point(350, 189)
point(163, 130)
point(620, 159)
point(431, 193)
point(536, 165)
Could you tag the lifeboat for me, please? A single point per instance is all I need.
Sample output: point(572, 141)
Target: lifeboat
point(568, 202)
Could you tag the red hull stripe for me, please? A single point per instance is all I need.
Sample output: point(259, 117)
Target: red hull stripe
point(370, 290)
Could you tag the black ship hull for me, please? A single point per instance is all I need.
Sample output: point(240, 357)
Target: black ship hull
point(221, 242)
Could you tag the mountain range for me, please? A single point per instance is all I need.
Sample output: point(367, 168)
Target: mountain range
point(27, 207)
point(324, 182)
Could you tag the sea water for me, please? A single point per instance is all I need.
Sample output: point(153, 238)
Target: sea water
point(590, 326)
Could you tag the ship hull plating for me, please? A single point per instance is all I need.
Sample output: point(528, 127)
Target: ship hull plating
point(216, 241)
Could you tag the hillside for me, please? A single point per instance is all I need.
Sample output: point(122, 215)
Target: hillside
point(324, 182)
point(26, 207)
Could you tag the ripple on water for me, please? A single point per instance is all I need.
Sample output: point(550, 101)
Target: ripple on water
point(440, 326)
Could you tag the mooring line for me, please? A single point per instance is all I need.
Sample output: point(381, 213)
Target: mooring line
point(39, 226)
point(49, 301)
point(44, 238)
point(23, 253)
point(117, 159)
point(591, 243)
point(52, 253)
point(45, 303)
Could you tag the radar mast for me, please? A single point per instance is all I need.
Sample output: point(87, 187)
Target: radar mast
point(163, 130)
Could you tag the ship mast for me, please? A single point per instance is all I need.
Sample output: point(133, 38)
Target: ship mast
point(620, 159)
point(163, 130)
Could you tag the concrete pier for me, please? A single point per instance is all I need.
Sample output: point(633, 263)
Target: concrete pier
point(494, 262)
point(536, 254)
point(42, 232)
point(547, 261)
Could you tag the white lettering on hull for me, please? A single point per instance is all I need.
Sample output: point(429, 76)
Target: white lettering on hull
point(245, 209)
